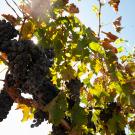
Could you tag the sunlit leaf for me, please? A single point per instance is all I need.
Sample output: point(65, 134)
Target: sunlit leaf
point(119, 41)
point(28, 30)
point(120, 49)
point(27, 112)
point(97, 48)
point(95, 9)
point(115, 86)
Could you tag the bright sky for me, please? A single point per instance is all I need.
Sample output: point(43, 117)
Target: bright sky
point(126, 10)
point(13, 125)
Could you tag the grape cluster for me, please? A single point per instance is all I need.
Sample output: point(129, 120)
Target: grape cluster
point(10, 82)
point(121, 132)
point(107, 113)
point(58, 130)
point(5, 105)
point(28, 68)
point(39, 117)
point(7, 31)
point(90, 123)
point(73, 86)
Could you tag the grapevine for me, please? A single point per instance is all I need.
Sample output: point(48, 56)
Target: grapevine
point(76, 78)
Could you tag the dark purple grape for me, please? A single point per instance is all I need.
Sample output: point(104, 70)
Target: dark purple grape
point(122, 132)
point(58, 130)
point(74, 86)
point(29, 67)
point(39, 117)
point(5, 105)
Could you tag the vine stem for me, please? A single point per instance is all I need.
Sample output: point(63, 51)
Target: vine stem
point(15, 95)
point(99, 18)
point(3, 70)
point(12, 8)
point(21, 30)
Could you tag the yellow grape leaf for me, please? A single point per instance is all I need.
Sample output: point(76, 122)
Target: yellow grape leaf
point(123, 58)
point(95, 9)
point(98, 66)
point(1, 62)
point(96, 47)
point(115, 86)
point(97, 90)
point(120, 49)
point(54, 75)
point(90, 74)
point(27, 112)
point(28, 30)
point(82, 67)
point(54, 79)
point(119, 41)
point(80, 74)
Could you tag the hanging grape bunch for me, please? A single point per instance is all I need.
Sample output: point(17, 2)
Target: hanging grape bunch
point(28, 69)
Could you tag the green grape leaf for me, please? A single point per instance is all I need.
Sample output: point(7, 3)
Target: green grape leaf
point(78, 115)
point(119, 41)
point(117, 122)
point(120, 76)
point(132, 100)
point(57, 109)
point(95, 117)
point(120, 49)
